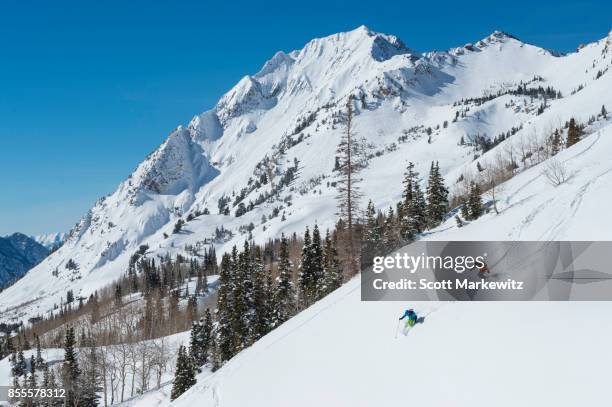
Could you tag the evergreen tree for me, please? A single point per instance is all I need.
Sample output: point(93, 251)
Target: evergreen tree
point(261, 321)
point(70, 369)
point(604, 112)
point(29, 384)
point(192, 307)
point(475, 205)
point(437, 196)
point(195, 346)
point(201, 282)
point(178, 226)
point(284, 300)
point(311, 268)
point(333, 270)
point(390, 231)
point(6, 346)
point(89, 381)
point(243, 299)
point(305, 278)
point(413, 219)
point(20, 366)
point(372, 236)
point(464, 210)
point(316, 260)
point(184, 376)
point(201, 339)
point(555, 144)
point(49, 382)
point(118, 295)
point(270, 289)
point(206, 335)
point(224, 335)
point(573, 133)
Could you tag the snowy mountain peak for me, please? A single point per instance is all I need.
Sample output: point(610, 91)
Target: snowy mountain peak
point(300, 72)
point(501, 35)
point(175, 166)
point(246, 97)
point(497, 37)
point(278, 61)
point(609, 40)
point(361, 40)
point(50, 240)
point(206, 127)
point(385, 47)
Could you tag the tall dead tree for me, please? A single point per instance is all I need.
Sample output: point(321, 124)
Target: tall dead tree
point(350, 161)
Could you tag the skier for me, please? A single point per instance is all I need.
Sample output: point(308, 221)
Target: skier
point(483, 271)
point(412, 317)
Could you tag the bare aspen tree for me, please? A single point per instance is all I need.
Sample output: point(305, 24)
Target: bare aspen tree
point(555, 172)
point(524, 148)
point(510, 153)
point(161, 359)
point(133, 358)
point(104, 368)
point(113, 372)
point(145, 355)
point(493, 175)
point(462, 188)
point(548, 142)
point(536, 148)
point(119, 354)
point(350, 161)
point(127, 325)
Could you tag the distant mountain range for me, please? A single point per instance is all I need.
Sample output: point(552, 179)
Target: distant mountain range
point(18, 254)
point(51, 240)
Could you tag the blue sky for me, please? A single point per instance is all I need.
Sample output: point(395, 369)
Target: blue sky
point(88, 89)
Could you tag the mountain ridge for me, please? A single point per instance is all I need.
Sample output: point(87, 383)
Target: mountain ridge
point(269, 144)
point(18, 254)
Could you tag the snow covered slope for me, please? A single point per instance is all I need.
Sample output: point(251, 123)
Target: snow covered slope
point(343, 352)
point(267, 149)
point(534, 209)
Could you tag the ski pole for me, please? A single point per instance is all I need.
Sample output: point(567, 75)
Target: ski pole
point(397, 328)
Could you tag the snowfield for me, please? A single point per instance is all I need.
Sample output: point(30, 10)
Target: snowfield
point(534, 209)
point(344, 352)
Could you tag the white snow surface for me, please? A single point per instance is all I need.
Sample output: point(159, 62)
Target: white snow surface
point(344, 352)
point(220, 149)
